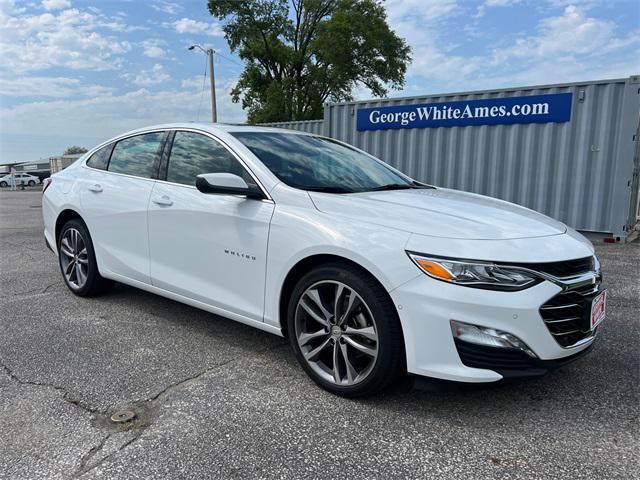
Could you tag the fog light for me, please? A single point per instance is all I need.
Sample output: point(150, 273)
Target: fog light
point(488, 336)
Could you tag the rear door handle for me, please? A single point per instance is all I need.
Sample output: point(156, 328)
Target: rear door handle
point(164, 201)
point(95, 188)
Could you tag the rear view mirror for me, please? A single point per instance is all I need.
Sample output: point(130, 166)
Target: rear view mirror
point(226, 184)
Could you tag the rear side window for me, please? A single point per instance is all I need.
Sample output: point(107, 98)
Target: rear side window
point(100, 159)
point(137, 155)
point(193, 154)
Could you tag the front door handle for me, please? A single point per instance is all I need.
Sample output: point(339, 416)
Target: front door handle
point(164, 201)
point(95, 188)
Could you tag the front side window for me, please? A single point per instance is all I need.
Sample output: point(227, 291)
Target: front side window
point(100, 159)
point(194, 153)
point(315, 163)
point(137, 155)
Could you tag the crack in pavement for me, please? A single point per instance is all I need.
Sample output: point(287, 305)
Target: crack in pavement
point(84, 460)
point(65, 394)
point(165, 392)
point(152, 403)
point(149, 404)
point(38, 291)
point(87, 457)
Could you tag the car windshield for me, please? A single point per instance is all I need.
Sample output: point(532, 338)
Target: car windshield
point(321, 164)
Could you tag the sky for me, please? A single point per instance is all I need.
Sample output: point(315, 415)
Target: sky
point(77, 72)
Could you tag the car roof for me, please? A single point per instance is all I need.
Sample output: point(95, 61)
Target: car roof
point(213, 128)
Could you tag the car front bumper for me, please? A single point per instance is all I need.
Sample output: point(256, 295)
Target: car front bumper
point(426, 307)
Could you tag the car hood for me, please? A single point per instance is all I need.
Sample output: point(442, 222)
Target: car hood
point(442, 213)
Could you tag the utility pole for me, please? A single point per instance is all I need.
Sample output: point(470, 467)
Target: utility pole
point(214, 110)
point(212, 78)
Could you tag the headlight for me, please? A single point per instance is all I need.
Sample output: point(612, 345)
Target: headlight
point(475, 274)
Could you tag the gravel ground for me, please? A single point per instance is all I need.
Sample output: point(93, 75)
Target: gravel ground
point(216, 399)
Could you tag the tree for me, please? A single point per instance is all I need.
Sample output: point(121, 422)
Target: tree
point(74, 150)
point(298, 59)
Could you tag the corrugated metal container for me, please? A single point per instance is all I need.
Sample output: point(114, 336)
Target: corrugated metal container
point(33, 167)
point(580, 172)
point(58, 164)
point(577, 171)
point(310, 126)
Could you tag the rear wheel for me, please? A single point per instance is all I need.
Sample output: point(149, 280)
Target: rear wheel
point(345, 331)
point(78, 261)
point(3, 184)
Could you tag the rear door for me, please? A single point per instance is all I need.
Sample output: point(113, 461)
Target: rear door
point(115, 195)
point(210, 248)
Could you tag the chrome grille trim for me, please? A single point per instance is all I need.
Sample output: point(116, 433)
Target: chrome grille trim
point(567, 314)
point(556, 307)
point(570, 319)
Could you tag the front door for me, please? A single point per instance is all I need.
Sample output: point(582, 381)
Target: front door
point(208, 247)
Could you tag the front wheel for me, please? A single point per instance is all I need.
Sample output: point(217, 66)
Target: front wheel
point(32, 183)
point(78, 261)
point(345, 331)
point(3, 184)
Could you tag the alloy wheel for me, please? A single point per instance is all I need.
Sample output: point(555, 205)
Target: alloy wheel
point(336, 333)
point(74, 258)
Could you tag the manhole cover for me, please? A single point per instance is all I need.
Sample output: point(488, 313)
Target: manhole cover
point(122, 416)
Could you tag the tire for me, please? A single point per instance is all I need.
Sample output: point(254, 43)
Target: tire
point(79, 270)
point(369, 325)
point(32, 183)
point(3, 184)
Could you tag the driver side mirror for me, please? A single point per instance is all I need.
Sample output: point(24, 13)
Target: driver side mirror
point(227, 184)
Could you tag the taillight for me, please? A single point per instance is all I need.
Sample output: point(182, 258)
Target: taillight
point(45, 184)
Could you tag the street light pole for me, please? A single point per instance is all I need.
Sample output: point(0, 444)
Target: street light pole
point(214, 110)
point(212, 78)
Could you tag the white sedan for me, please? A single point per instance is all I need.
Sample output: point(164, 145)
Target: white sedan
point(369, 273)
point(18, 179)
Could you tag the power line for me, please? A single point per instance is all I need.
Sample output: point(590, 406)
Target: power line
point(229, 59)
point(204, 81)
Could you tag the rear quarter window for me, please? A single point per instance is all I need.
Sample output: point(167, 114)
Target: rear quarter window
point(100, 159)
point(138, 156)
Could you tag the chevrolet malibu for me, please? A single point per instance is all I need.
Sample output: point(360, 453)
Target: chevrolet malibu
point(369, 273)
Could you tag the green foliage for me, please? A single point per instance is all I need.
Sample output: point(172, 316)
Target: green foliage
point(297, 59)
point(74, 149)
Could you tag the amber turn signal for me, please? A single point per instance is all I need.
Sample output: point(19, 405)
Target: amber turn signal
point(434, 269)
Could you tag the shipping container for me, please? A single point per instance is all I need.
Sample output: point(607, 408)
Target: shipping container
point(310, 126)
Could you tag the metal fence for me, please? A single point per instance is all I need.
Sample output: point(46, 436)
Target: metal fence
point(579, 171)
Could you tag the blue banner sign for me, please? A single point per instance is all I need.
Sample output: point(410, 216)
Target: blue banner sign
point(491, 111)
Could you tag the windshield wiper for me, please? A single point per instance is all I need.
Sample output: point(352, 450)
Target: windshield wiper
point(399, 186)
point(328, 189)
point(423, 185)
point(392, 186)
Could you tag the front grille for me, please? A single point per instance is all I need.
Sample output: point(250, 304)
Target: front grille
point(564, 269)
point(568, 314)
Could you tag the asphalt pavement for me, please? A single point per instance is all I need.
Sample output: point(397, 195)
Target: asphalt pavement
point(217, 399)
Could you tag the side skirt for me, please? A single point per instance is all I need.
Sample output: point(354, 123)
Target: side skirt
point(194, 303)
